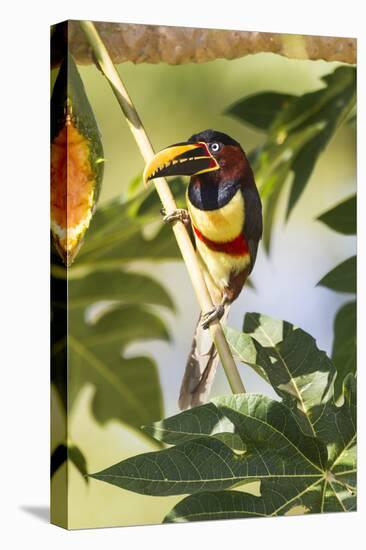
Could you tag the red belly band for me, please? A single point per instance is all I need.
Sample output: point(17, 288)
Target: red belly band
point(236, 247)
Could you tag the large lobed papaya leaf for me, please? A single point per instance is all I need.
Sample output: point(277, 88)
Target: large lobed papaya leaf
point(92, 347)
point(301, 449)
point(289, 359)
point(330, 489)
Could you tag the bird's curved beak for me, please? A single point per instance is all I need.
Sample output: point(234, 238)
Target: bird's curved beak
point(181, 159)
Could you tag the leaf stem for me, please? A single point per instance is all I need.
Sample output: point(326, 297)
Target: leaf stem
point(107, 67)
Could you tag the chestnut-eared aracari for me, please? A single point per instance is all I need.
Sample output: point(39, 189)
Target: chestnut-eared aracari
point(224, 219)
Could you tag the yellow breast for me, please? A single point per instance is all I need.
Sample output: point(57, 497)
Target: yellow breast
point(223, 224)
point(220, 265)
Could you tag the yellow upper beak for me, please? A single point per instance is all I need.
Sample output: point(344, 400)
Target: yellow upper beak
point(181, 159)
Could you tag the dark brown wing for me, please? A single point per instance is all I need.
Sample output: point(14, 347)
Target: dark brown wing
point(253, 225)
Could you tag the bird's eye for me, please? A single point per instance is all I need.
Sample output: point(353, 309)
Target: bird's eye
point(215, 147)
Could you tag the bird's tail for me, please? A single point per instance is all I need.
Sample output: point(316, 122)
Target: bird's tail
point(200, 368)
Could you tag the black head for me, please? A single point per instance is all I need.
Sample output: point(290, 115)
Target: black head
point(211, 136)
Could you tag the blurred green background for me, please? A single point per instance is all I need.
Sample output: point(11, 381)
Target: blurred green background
point(175, 102)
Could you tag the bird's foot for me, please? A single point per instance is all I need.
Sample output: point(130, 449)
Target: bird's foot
point(214, 314)
point(178, 214)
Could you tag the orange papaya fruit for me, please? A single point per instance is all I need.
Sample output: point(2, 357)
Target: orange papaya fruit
point(76, 161)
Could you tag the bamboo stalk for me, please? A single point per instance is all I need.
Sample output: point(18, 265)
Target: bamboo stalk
point(188, 253)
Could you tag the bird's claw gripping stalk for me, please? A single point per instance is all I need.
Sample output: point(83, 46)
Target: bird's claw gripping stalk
point(180, 214)
point(214, 314)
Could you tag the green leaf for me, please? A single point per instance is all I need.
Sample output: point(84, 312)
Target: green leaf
point(117, 229)
point(277, 182)
point(276, 499)
point(245, 348)
point(273, 161)
point(243, 438)
point(259, 110)
point(289, 359)
point(125, 389)
point(197, 465)
point(334, 491)
point(120, 323)
point(344, 347)
point(336, 427)
point(303, 166)
point(58, 458)
point(342, 278)
point(343, 217)
point(130, 288)
point(218, 505)
point(149, 205)
point(311, 106)
point(196, 422)
point(328, 107)
point(268, 428)
point(135, 185)
point(74, 454)
point(232, 440)
point(162, 246)
point(299, 129)
point(205, 463)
